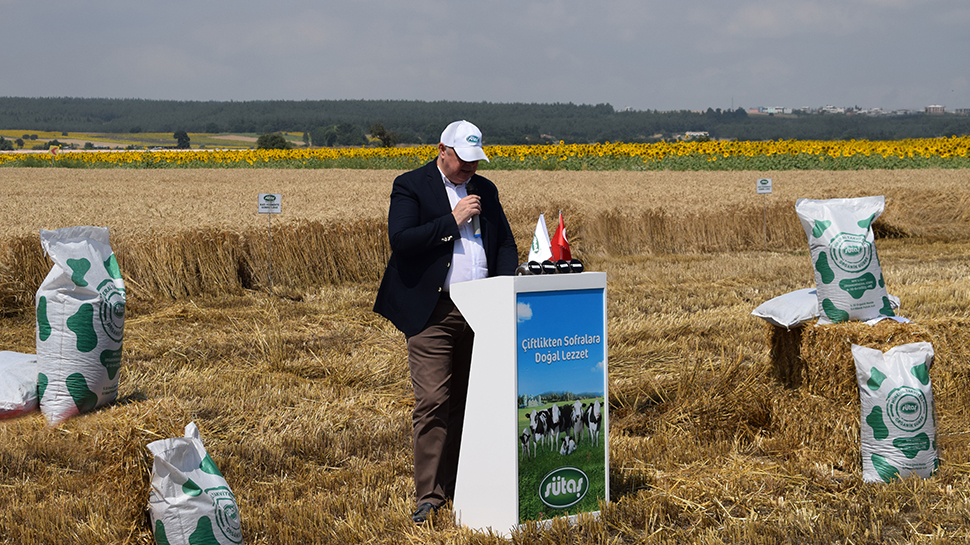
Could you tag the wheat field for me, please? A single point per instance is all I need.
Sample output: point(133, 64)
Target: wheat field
point(303, 398)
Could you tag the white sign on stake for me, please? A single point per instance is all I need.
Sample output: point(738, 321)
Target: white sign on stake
point(764, 185)
point(764, 188)
point(270, 203)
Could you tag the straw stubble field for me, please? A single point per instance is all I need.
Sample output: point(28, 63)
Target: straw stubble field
point(723, 430)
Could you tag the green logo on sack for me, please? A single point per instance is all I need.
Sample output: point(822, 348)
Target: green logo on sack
point(851, 253)
point(833, 312)
point(826, 274)
point(226, 512)
point(563, 487)
point(43, 322)
point(857, 287)
point(907, 408)
point(84, 399)
point(112, 310)
point(81, 323)
point(911, 446)
point(875, 421)
point(111, 266)
point(922, 373)
point(887, 472)
point(111, 360)
point(866, 223)
point(876, 378)
point(819, 228)
point(79, 268)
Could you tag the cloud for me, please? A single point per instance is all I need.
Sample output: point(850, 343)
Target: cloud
point(645, 54)
point(523, 311)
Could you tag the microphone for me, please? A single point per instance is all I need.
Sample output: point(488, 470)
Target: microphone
point(472, 189)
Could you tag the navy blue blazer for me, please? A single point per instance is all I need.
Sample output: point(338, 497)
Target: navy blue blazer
point(422, 233)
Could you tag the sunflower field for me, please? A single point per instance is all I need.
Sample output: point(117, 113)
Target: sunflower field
point(951, 152)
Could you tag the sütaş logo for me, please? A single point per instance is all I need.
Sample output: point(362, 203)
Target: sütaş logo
point(226, 513)
point(851, 253)
point(563, 487)
point(112, 310)
point(472, 139)
point(269, 198)
point(907, 408)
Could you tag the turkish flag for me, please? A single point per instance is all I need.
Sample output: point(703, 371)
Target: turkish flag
point(560, 244)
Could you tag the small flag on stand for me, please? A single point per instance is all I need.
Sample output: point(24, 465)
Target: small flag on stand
point(541, 247)
point(560, 244)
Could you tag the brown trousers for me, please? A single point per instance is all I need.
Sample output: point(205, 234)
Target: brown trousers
point(439, 358)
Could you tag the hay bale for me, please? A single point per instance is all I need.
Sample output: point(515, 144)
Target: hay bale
point(827, 353)
point(818, 417)
point(819, 358)
point(784, 355)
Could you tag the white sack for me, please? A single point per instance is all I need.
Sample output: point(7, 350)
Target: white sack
point(789, 310)
point(18, 384)
point(847, 271)
point(897, 412)
point(80, 323)
point(190, 501)
point(796, 307)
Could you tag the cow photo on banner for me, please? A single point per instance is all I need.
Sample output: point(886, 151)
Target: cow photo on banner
point(562, 412)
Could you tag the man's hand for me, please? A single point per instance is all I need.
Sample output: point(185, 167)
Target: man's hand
point(466, 208)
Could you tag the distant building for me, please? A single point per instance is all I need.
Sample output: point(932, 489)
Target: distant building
point(693, 135)
point(962, 111)
point(935, 109)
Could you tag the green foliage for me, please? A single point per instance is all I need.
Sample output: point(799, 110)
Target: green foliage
point(182, 140)
point(417, 122)
point(5, 145)
point(388, 139)
point(272, 141)
point(341, 134)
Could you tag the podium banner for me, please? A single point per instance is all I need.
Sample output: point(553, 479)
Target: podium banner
point(561, 402)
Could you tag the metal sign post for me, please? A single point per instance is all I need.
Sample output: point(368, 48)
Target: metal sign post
point(764, 189)
point(269, 204)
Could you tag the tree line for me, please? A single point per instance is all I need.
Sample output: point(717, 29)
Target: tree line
point(346, 122)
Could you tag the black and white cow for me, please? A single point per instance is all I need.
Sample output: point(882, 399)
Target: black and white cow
point(539, 427)
point(593, 418)
point(555, 424)
point(567, 446)
point(525, 439)
point(576, 417)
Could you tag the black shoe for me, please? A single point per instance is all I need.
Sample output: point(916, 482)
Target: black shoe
point(424, 511)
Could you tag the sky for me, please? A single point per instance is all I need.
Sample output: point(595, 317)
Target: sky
point(639, 54)
point(572, 366)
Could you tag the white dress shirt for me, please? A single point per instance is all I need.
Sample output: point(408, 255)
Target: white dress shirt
point(468, 257)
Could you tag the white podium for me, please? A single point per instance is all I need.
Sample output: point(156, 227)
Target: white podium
point(539, 354)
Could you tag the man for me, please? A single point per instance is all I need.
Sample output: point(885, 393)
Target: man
point(434, 215)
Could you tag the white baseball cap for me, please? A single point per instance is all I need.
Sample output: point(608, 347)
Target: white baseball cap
point(466, 140)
